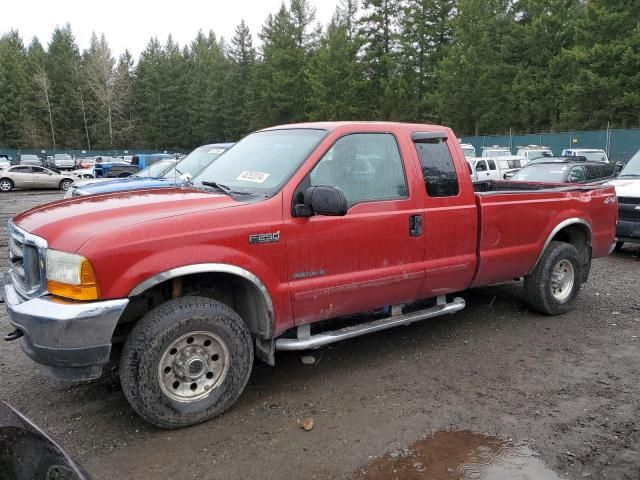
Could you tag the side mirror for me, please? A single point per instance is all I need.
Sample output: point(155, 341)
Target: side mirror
point(618, 168)
point(322, 201)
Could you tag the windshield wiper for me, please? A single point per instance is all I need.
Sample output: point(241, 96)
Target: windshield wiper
point(225, 189)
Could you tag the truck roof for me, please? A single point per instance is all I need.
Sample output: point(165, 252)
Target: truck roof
point(330, 126)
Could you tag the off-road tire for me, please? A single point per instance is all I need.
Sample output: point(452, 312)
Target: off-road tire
point(9, 182)
point(150, 338)
point(537, 285)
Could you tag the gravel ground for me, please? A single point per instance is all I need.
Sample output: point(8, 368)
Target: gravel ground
point(567, 386)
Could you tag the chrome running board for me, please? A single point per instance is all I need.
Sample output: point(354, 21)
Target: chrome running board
point(308, 342)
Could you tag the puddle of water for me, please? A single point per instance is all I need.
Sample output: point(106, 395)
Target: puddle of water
point(459, 455)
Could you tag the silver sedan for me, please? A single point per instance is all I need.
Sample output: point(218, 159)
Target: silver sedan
point(25, 176)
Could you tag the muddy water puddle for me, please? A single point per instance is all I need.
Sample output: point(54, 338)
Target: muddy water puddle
point(459, 455)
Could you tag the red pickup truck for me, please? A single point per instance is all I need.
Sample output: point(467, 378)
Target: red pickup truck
point(274, 247)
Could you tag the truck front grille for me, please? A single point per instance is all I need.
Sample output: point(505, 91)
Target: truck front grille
point(27, 266)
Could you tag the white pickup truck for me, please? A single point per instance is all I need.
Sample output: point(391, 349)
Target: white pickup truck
point(627, 187)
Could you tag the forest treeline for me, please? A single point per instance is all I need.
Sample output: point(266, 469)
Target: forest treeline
point(479, 66)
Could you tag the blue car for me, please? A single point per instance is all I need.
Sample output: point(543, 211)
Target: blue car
point(146, 160)
point(162, 174)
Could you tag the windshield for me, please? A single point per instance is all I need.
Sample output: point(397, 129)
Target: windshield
point(469, 151)
point(156, 170)
point(538, 153)
point(595, 156)
point(62, 156)
point(195, 162)
point(496, 153)
point(632, 168)
point(263, 161)
point(542, 173)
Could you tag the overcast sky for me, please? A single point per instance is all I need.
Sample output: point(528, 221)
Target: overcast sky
point(130, 23)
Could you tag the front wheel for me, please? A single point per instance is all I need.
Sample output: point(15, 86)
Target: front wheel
point(552, 288)
point(186, 361)
point(65, 185)
point(618, 246)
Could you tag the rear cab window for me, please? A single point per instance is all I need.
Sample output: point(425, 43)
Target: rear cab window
point(438, 169)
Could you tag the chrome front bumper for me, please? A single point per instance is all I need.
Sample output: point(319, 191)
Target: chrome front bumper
point(70, 340)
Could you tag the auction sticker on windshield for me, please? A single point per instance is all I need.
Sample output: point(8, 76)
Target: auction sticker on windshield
point(256, 177)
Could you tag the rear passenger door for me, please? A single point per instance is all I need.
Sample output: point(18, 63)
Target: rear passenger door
point(450, 219)
point(374, 255)
point(494, 173)
point(22, 176)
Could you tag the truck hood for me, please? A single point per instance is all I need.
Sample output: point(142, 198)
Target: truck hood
point(68, 224)
point(626, 187)
point(124, 184)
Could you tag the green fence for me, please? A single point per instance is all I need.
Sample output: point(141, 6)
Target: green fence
point(620, 144)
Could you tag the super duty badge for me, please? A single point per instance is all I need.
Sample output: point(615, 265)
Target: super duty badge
point(265, 237)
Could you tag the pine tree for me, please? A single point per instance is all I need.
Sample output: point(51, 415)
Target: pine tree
point(13, 95)
point(379, 37)
point(603, 68)
point(425, 29)
point(334, 75)
point(62, 56)
point(280, 82)
point(236, 99)
point(474, 75)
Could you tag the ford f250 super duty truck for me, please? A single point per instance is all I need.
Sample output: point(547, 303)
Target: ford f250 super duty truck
point(274, 247)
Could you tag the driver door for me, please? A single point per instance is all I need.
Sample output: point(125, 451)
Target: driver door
point(368, 258)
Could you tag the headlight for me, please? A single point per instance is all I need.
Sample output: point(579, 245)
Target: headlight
point(70, 276)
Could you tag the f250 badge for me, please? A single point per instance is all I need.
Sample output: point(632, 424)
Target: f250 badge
point(265, 237)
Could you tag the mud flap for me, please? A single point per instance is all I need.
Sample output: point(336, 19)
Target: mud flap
point(586, 266)
point(266, 350)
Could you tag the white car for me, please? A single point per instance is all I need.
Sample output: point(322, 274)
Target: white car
point(27, 176)
point(531, 152)
point(496, 151)
point(591, 154)
point(468, 150)
point(4, 163)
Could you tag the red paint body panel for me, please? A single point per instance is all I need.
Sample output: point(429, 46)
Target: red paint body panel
point(363, 260)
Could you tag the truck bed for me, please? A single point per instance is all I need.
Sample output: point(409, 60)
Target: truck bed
point(516, 220)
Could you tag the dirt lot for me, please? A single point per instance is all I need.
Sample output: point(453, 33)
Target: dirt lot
point(569, 387)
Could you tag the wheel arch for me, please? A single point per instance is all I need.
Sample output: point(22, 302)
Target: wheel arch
point(249, 296)
point(575, 231)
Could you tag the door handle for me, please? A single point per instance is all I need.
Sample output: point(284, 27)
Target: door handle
point(415, 225)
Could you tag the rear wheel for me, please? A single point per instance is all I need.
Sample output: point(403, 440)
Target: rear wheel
point(65, 184)
point(6, 185)
point(553, 286)
point(186, 361)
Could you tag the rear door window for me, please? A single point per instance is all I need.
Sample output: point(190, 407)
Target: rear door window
point(492, 164)
point(577, 175)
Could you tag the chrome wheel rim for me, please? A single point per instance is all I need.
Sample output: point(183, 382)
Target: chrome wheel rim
point(562, 280)
point(66, 185)
point(5, 186)
point(192, 366)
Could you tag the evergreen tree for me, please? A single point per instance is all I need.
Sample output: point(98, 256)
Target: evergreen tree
point(334, 74)
point(425, 29)
point(237, 84)
point(379, 37)
point(13, 94)
point(61, 59)
point(603, 68)
point(475, 77)
point(281, 84)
